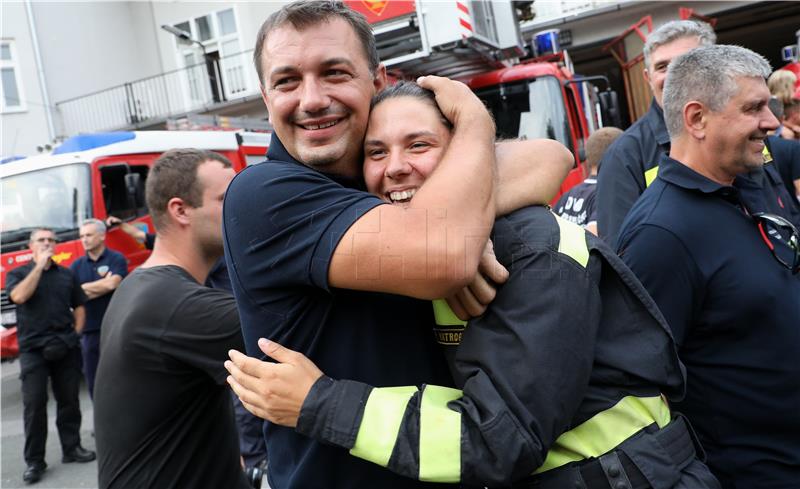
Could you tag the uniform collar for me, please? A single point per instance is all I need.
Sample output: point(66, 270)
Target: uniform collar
point(676, 173)
point(277, 151)
point(100, 257)
point(655, 121)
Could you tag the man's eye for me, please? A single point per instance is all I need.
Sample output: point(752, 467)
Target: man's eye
point(419, 145)
point(284, 82)
point(376, 153)
point(337, 73)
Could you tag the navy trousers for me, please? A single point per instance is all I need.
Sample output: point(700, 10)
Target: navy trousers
point(90, 349)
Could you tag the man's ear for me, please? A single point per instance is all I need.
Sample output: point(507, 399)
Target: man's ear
point(265, 98)
point(178, 211)
point(646, 75)
point(695, 119)
point(380, 81)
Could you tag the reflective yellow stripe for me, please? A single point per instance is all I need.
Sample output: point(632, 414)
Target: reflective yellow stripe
point(439, 436)
point(650, 175)
point(767, 156)
point(605, 430)
point(444, 315)
point(573, 241)
point(381, 423)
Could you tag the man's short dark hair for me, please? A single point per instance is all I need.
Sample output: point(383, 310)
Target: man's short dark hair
point(598, 143)
point(174, 174)
point(39, 230)
point(304, 14)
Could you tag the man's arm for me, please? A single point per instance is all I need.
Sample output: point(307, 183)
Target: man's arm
point(497, 430)
point(529, 173)
point(102, 286)
point(129, 229)
point(27, 286)
point(432, 248)
point(79, 313)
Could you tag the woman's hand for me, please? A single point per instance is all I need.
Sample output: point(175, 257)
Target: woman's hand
point(272, 391)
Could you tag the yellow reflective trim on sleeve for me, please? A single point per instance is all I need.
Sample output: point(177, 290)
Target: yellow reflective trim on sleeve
point(766, 154)
point(605, 430)
point(439, 436)
point(444, 315)
point(380, 424)
point(572, 241)
point(650, 175)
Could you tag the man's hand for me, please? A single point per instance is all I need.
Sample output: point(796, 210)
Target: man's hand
point(273, 391)
point(43, 258)
point(472, 300)
point(456, 101)
point(113, 221)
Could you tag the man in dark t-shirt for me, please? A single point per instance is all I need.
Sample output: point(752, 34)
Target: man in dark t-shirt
point(579, 205)
point(163, 415)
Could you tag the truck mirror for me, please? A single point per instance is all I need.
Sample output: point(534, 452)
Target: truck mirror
point(609, 108)
point(134, 190)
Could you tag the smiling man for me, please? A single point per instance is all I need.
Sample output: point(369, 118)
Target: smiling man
point(631, 163)
point(723, 270)
point(313, 258)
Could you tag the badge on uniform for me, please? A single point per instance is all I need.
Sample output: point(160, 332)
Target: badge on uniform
point(102, 270)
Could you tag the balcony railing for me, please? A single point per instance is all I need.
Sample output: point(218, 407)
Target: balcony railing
point(152, 100)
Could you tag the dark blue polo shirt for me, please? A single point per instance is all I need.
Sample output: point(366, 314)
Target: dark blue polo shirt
point(282, 223)
point(88, 270)
point(621, 179)
point(579, 204)
point(735, 314)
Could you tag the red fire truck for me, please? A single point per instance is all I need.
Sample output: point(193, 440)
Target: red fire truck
point(94, 175)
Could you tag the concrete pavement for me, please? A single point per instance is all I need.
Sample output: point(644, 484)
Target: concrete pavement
point(12, 464)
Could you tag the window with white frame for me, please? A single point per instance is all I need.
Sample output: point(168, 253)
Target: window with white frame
point(218, 33)
point(11, 95)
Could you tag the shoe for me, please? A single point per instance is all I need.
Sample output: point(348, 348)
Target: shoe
point(78, 454)
point(34, 472)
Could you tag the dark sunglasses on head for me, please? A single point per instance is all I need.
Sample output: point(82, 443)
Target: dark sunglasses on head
point(787, 233)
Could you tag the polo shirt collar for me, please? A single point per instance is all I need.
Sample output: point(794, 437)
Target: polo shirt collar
point(102, 255)
point(655, 121)
point(277, 151)
point(680, 175)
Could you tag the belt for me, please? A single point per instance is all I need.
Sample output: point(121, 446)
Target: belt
point(615, 469)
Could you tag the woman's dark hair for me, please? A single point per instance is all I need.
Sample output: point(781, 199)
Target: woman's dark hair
point(409, 89)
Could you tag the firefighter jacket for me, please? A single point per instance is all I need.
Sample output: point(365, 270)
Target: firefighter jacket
point(569, 360)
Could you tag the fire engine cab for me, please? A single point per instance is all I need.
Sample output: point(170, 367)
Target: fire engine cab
point(94, 175)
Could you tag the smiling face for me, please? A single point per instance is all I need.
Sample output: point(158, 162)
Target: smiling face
point(656, 72)
point(736, 133)
point(317, 87)
point(406, 139)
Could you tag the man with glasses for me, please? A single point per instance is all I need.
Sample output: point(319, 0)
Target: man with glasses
point(724, 273)
point(50, 311)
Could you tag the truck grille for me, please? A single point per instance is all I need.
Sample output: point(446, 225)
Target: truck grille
point(9, 310)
